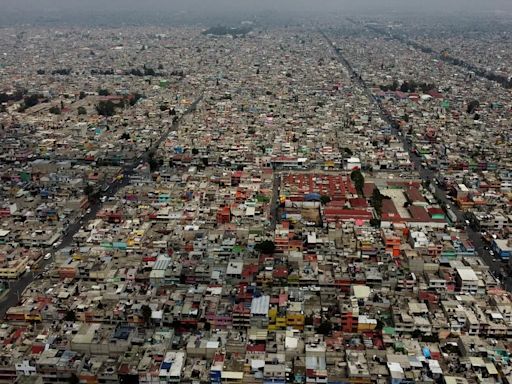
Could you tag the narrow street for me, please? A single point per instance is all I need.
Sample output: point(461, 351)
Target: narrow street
point(426, 174)
point(17, 287)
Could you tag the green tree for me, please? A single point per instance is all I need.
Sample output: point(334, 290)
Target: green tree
point(82, 111)
point(135, 98)
point(146, 313)
point(375, 223)
point(105, 108)
point(74, 379)
point(357, 177)
point(153, 163)
point(55, 110)
point(195, 151)
point(103, 92)
point(347, 152)
point(324, 199)
point(31, 100)
point(376, 201)
point(472, 106)
point(88, 190)
point(416, 334)
point(325, 328)
point(266, 246)
point(70, 315)
point(149, 72)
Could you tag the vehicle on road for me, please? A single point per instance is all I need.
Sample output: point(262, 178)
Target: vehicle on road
point(48, 256)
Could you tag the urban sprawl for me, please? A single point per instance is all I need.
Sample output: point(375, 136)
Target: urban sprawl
point(323, 204)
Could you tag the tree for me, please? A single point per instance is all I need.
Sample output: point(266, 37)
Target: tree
point(347, 152)
point(375, 223)
point(105, 108)
point(125, 136)
point(55, 110)
point(70, 315)
point(324, 199)
point(31, 100)
point(376, 200)
point(472, 106)
point(325, 328)
point(82, 111)
point(357, 177)
point(153, 163)
point(103, 92)
point(195, 151)
point(88, 190)
point(74, 379)
point(149, 72)
point(82, 95)
point(266, 246)
point(146, 313)
point(416, 334)
point(62, 71)
point(135, 98)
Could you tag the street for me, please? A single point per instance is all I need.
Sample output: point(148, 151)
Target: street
point(18, 286)
point(426, 174)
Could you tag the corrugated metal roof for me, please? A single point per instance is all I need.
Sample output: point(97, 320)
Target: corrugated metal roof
point(162, 263)
point(260, 305)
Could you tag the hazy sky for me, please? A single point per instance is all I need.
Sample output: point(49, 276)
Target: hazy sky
point(84, 10)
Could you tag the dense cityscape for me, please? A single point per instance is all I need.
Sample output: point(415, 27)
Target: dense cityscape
point(305, 202)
